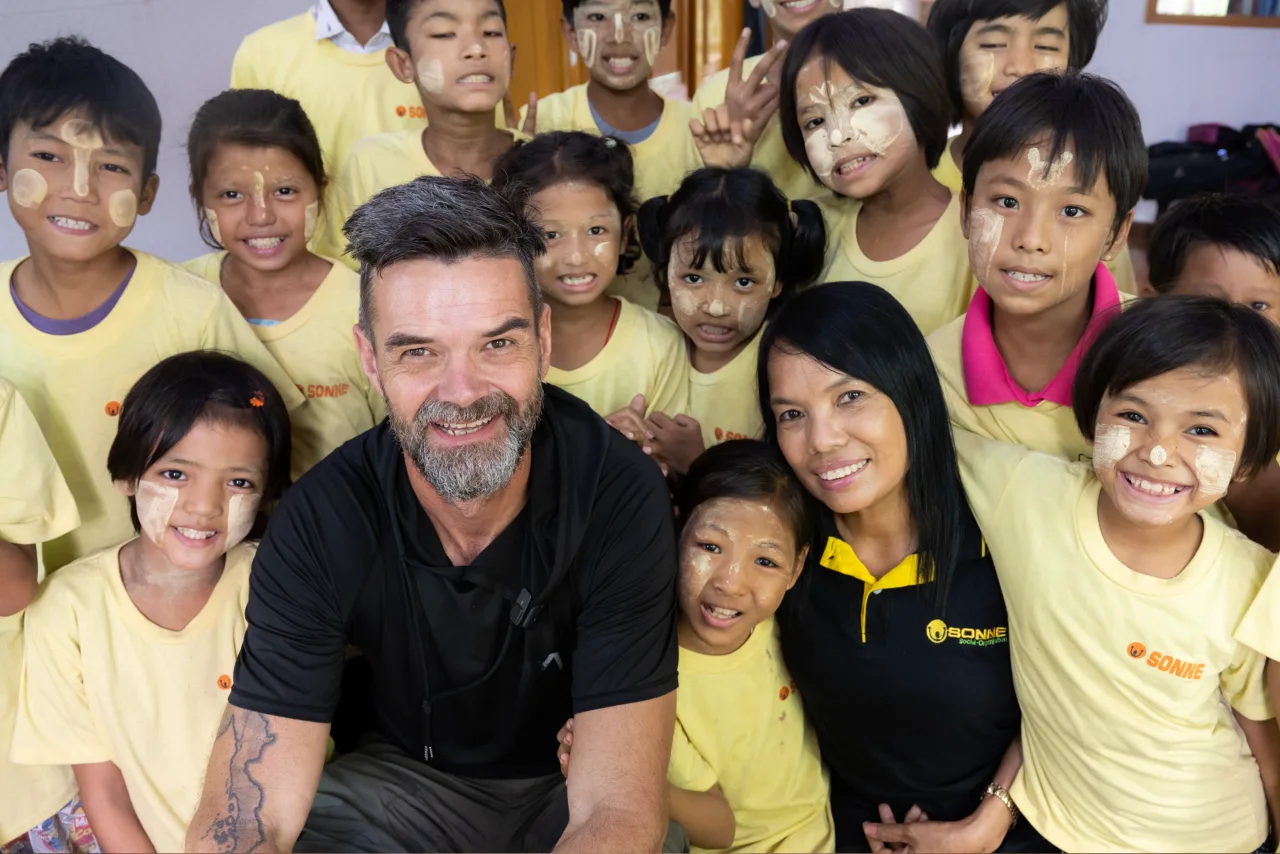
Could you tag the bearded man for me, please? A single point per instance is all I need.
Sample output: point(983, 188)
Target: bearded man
point(502, 558)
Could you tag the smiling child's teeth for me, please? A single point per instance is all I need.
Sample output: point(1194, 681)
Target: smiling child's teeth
point(265, 242)
point(1026, 277)
point(723, 613)
point(477, 78)
point(1157, 489)
point(576, 280)
point(75, 224)
point(836, 474)
point(193, 534)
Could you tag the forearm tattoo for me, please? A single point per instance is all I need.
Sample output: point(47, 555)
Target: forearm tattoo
point(239, 826)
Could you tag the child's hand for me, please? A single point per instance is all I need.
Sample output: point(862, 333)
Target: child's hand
point(630, 422)
point(565, 739)
point(722, 142)
point(530, 125)
point(754, 99)
point(677, 442)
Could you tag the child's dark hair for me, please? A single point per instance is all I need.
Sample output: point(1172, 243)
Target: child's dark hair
point(876, 47)
point(750, 470)
point(255, 118)
point(1090, 115)
point(570, 6)
point(1155, 336)
point(951, 20)
point(183, 390)
point(721, 208)
point(69, 74)
point(859, 330)
point(564, 156)
point(1246, 223)
point(398, 12)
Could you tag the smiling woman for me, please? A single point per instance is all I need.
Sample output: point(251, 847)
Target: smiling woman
point(850, 396)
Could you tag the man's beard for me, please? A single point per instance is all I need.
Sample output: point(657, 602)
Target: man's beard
point(471, 472)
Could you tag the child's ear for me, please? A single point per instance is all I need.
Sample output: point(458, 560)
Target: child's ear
point(1121, 238)
point(668, 27)
point(401, 65)
point(149, 191)
point(4, 177)
point(964, 214)
point(566, 30)
point(795, 576)
point(128, 490)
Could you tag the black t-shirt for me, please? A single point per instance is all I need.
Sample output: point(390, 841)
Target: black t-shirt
point(921, 712)
point(350, 557)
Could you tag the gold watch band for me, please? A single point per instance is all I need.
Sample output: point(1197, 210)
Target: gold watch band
point(1000, 792)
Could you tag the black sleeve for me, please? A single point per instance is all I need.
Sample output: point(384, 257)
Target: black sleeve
point(292, 659)
point(626, 645)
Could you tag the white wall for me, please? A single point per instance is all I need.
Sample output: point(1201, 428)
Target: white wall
point(182, 49)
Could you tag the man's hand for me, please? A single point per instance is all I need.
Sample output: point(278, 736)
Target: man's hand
point(982, 831)
point(630, 422)
point(676, 442)
point(564, 739)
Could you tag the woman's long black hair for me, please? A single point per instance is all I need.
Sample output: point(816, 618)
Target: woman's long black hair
point(860, 330)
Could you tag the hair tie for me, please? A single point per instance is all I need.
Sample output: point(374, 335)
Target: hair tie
point(257, 401)
point(610, 142)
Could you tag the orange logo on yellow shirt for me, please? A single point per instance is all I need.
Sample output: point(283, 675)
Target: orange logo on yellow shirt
point(1168, 664)
point(113, 408)
point(411, 112)
point(723, 435)
point(224, 682)
point(1137, 650)
point(784, 693)
point(336, 390)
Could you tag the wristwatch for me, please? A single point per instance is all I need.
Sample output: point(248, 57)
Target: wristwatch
point(998, 791)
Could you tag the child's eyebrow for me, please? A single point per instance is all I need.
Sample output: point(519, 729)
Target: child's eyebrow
point(45, 136)
point(1051, 31)
point(994, 28)
point(1209, 413)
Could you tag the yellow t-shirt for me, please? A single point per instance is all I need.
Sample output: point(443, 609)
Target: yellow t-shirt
point(346, 95)
point(1128, 744)
point(1260, 628)
point(317, 349)
point(740, 725)
point(35, 505)
point(102, 683)
point(661, 162)
point(726, 403)
point(375, 163)
point(932, 280)
point(947, 173)
point(771, 154)
point(76, 383)
point(645, 355)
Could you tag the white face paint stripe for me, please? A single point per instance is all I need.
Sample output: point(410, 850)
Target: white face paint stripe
point(1214, 469)
point(309, 223)
point(259, 190)
point(242, 512)
point(84, 139)
point(1110, 445)
point(211, 216)
point(155, 503)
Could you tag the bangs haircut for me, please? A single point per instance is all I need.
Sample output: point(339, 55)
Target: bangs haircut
point(1090, 115)
point(68, 74)
point(399, 12)
point(859, 330)
point(876, 47)
point(747, 470)
point(253, 118)
point(562, 157)
point(185, 390)
point(951, 20)
point(719, 209)
point(447, 220)
point(571, 6)
point(1247, 223)
point(1209, 336)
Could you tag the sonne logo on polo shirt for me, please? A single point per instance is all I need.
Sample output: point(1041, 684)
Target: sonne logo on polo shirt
point(939, 632)
point(1166, 663)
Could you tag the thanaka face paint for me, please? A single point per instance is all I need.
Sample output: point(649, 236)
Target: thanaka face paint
point(1158, 455)
point(770, 8)
point(587, 41)
point(84, 140)
point(610, 27)
point(242, 512)
point(851, 129)
point(155, 503)
point(259, 190)
point(211, 217)
point(1214, 469)
point(1110, 445)
point(431, 75)
point(977, 72)
point(652, 38)
point(311, 214)
point(29, 188)
point(123, 208)
point(985, 230)
point(1042, 175)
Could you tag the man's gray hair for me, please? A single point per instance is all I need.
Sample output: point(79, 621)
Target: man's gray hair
point(446, 219)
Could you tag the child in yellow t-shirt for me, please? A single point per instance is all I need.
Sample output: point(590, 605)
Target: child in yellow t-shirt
point(1228, 246)
point(257, 181)
point(83, 317)
point(725, 248)
point(605, 349)
point(988, 45)
point(863, 106)
point(129, 651)
point(770, 153)
point(618, 42)
point(38, 805)
point(1145, 725)
point(745, 773)
point(457, 54)
point(1054, 169)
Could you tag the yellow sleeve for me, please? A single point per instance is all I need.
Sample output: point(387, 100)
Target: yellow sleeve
point(670, 392)
point(242, 76)
point(228, 332)
point(35, 503)
point(54, 725)
point(1121, 268)
point(329, 240)
point(1243, 684)
point(987, 470)
point(688, 769)
point(1260, 629)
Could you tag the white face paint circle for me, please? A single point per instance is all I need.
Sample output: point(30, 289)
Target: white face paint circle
point(1159, 455)
point(123, 208)
point(28, 188)
point(431, 75)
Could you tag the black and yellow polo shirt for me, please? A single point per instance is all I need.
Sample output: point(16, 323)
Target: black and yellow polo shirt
point(911, 705)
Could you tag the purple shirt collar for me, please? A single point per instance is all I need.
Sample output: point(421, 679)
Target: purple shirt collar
point(75, 325)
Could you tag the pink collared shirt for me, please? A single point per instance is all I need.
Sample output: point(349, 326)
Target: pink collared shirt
point(987, 380)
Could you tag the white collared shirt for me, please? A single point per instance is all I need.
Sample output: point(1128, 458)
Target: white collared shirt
point(329, 26)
